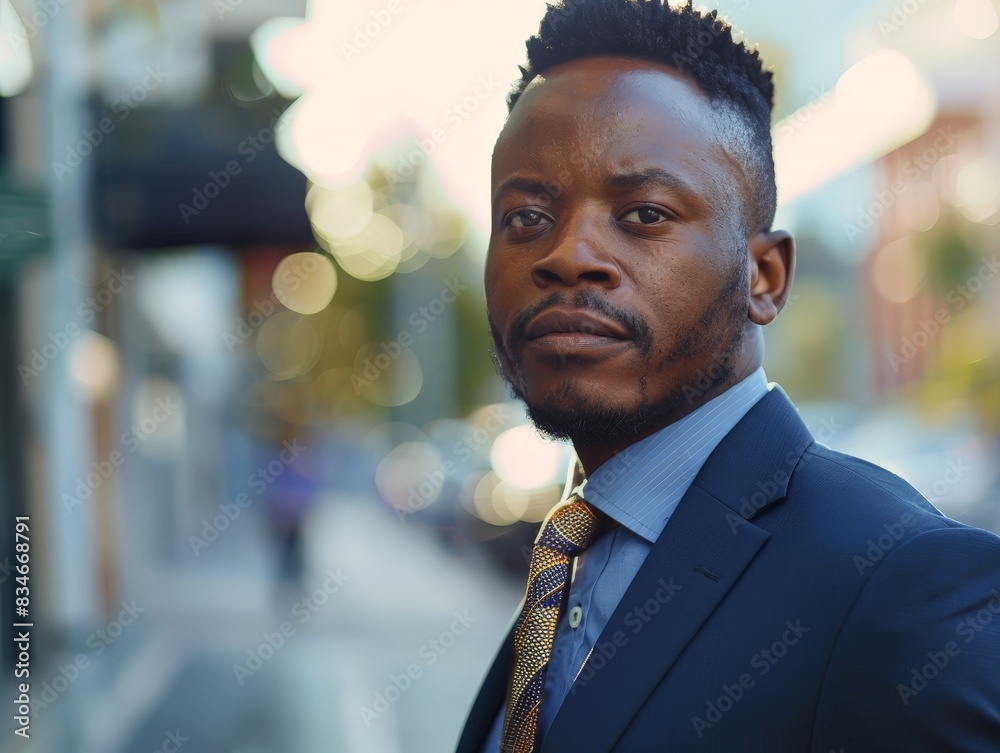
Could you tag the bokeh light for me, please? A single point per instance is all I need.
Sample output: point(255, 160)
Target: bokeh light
point(339, 213)
point(388, 377)
point(305, 282)
point(287, 344)
point(93, 364)
point(499, 504)
point(919, 206)
point(978, 191)
point(448, 234)
point(898, 271)
point(373, 254)
point(16, 66)
point(525, 461)
point(411, 476)
point(883, 101)
point(482, 505)
point(975, 18)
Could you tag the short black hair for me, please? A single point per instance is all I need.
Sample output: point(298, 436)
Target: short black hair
point(700, 45)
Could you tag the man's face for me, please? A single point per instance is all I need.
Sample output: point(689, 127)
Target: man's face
point(617, 276)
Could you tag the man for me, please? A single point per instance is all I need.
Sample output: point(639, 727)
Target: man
point(737, 586)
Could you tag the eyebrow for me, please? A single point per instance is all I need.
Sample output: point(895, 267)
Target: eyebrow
point(622, 181)
point(527, 185)
point(654, 176)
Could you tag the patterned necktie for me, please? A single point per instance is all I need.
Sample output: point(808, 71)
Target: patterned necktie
point(570, 528)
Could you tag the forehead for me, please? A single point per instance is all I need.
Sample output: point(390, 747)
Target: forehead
point(613, 114)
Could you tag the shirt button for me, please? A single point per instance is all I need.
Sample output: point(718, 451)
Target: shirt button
point(575, 617)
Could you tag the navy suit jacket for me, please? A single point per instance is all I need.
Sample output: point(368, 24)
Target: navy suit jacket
point(797, 600)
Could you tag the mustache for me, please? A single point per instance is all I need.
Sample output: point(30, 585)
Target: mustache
point(637, 328)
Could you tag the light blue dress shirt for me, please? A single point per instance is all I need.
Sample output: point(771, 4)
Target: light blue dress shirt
point(640, 487)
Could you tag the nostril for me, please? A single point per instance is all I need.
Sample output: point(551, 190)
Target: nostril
point(547, 275)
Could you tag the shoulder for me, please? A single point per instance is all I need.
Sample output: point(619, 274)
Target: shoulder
point(846, 516)
point(922, 634)
point(924, 604)
point(863, 490)
point(916, 565)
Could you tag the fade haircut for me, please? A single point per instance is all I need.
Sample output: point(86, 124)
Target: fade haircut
point(699, 45)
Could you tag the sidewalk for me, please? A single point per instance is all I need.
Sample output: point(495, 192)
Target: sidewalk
point(381, 652)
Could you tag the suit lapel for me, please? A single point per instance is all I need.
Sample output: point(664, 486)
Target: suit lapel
point(702, 552)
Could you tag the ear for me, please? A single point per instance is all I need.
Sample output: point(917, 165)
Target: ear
point(772, 264)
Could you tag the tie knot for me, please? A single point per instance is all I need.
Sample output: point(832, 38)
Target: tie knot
point(571, 527)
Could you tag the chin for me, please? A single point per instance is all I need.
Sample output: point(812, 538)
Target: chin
point(590, 421)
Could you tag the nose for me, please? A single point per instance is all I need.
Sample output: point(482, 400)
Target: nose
point(576, 258)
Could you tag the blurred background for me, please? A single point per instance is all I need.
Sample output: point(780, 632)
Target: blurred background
point(278, 498)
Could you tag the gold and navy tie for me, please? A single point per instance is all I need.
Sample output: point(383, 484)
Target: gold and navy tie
point(570, 528)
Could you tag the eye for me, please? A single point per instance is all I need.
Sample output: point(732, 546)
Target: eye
point(645, 216)
point(525, 218)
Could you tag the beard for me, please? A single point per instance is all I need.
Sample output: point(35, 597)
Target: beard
point(585, 420)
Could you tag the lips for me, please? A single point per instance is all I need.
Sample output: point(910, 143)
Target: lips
point(578, 325)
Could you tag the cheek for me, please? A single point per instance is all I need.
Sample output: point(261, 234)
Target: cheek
point(490, 270)
point(504, 280)
point(680, 300)
point(498, 299)
point(690, 274)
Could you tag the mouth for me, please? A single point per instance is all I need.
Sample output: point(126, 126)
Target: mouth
point(570, 331)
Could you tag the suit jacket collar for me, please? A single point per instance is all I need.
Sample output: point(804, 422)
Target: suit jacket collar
point(752, 465)
point(704, 549)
